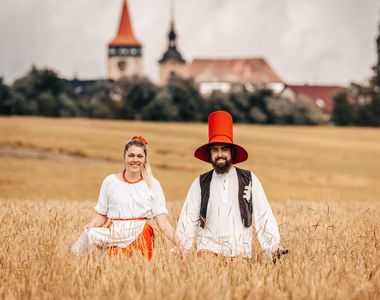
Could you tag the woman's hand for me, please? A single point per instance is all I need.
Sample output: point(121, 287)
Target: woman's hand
point(167, 229)
point(89, 226)
point(97, 221)
point(179, 251)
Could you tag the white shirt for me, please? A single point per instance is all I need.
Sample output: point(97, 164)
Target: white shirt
point(118, 199)
point(224, 231)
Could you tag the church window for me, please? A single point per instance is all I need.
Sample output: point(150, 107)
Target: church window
point(112, 51)
point(122, 65)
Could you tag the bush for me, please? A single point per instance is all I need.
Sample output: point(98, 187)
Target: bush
point(161, 108)
point(343, 113)
point(135, 94)
point(5, 104)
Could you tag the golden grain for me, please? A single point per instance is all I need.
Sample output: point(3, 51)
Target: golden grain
point(324, 182)
point(333, 255)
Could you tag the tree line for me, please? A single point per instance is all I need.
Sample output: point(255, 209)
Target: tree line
point(360, 104)
point(42, 92)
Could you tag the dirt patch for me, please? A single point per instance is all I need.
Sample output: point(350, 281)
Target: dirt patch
point(22, 152)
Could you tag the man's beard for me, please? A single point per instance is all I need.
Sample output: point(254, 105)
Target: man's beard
point(221, 165)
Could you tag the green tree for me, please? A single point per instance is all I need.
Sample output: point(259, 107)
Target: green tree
point(220, 101)
point(258, 103)
point(185, 96)
point(5, 104)
point(300, 110)
point(98, 101)
point(375, 82)
point(368, 97)
point(37, 93)
point(343, 112)
point(161, 108)
point(241, 104)
point(305, 111)
point(279, 110)
point(135, 94)
point(374, 106)
point(68, 106)
point(368, 114)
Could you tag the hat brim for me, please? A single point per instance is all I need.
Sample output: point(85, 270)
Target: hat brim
point(203, 153)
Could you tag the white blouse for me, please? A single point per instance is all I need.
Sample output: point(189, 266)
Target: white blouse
point(118, 199)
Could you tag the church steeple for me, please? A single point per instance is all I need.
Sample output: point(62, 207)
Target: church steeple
point(172, 62)
point(125, 36)
point(124, 51)
point(172, 53)
point(172, 35)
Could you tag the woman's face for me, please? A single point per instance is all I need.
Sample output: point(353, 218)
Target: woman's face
point(134, 159)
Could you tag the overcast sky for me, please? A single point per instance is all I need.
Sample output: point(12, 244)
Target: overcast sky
point(313, 41)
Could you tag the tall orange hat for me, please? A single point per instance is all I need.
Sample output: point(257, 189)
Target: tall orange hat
point(220, 130)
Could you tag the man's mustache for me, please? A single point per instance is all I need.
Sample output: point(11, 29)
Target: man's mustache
point(220, 157)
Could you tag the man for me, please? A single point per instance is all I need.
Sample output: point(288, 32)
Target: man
point(224, 204)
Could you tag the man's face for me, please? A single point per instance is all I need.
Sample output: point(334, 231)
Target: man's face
point(221, 157)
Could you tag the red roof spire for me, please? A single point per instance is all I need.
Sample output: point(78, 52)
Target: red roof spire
point(125, 35)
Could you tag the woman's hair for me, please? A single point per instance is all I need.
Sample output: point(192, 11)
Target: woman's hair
point(146, 171)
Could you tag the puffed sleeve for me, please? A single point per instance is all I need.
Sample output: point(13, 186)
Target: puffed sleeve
point(103, 200)
point(265, 222)
point(159, 202)
point(189, 218)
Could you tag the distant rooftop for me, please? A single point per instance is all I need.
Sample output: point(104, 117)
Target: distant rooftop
point(317, 93)
point(254, 70)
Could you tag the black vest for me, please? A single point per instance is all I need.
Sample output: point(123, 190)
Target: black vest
point(245, 180)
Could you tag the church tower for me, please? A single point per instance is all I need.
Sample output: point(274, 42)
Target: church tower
point(172, 62)
point(124, 51)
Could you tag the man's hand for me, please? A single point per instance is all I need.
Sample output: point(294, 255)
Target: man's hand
point(276, 254)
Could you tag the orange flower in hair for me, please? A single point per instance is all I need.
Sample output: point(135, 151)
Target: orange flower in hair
point(139, 137)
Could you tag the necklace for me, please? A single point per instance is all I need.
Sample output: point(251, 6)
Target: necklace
point(128, 181)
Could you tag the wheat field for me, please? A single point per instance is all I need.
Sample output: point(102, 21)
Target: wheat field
point(322, 183)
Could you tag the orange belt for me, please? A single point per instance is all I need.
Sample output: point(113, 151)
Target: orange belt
point(108, 223)
point(128, 219)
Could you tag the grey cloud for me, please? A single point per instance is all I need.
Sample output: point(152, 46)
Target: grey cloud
point(323, 41)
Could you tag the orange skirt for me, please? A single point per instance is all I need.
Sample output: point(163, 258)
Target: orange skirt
point(143, 244)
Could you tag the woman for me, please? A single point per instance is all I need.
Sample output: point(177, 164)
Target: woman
point(126, 201)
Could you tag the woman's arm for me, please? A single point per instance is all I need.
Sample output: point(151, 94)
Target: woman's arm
point(97, 221)
point(166, 228)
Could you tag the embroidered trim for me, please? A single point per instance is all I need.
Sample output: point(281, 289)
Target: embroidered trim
point(248, 192)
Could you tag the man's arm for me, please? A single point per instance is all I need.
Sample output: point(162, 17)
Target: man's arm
point(167, 229)
point(265, 222)
point(189, 218)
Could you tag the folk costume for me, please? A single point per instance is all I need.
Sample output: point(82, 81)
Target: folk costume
point(220, 210)
point(127, 207)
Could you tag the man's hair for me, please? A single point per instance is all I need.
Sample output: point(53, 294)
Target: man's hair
point(231, 146)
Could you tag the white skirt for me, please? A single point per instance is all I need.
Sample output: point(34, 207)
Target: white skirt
point(97, 239)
